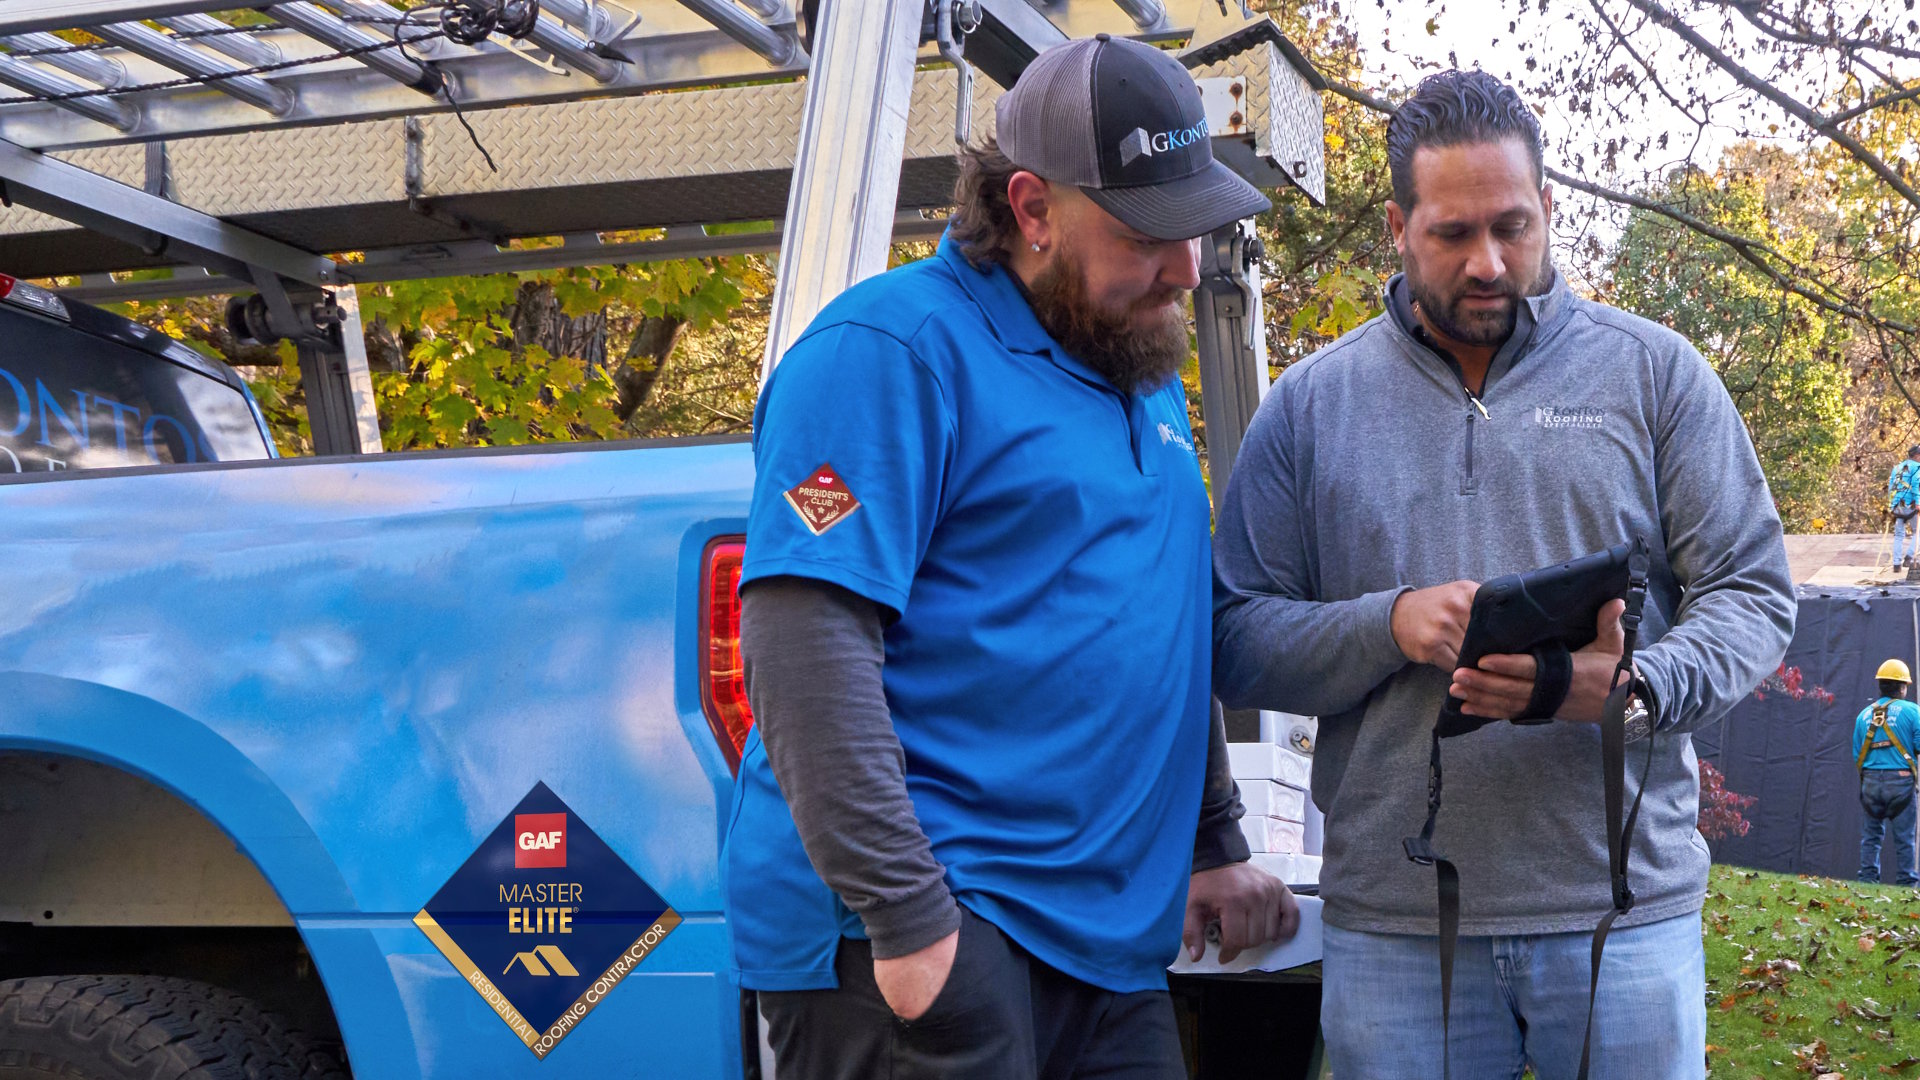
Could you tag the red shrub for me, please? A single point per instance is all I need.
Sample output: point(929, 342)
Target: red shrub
point(1719, 808)
point(1788, 681)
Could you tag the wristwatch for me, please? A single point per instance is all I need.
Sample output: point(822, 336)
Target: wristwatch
point(1639, 720)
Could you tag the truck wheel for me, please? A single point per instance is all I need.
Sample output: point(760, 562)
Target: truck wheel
point(139, 1027)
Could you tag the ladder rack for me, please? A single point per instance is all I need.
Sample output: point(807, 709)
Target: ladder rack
point(248, 152)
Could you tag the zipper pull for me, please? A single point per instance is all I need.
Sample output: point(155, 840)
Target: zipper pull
point(1475, 398)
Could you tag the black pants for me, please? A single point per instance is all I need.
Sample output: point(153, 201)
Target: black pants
point(1003, 1015)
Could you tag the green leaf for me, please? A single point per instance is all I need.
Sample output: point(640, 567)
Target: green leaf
point(578, 297)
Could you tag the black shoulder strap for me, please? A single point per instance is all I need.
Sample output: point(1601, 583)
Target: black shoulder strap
point(1447, 879)
point(1613, 754)
point(1613, 762)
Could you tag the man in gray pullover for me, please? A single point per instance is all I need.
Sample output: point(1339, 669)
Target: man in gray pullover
point(1490, 422)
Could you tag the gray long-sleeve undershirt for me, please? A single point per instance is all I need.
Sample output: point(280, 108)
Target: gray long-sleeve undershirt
point(813, 653)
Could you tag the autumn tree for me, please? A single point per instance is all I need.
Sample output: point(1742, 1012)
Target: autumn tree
point(1822, 251)
point(506, 359)
point(556, 355)
point(1825, 93)
point(1781, 357)
point(1326, 267)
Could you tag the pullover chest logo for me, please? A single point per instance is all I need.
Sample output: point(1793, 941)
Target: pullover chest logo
point(1554, 417)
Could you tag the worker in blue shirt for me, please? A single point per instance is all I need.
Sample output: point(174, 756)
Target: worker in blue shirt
point(980, 809)
point(1886, 735)
point(1903, 502)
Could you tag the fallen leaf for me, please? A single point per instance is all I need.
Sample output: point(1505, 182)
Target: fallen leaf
point(1869, 1009)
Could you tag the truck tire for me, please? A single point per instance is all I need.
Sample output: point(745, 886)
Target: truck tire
point(140, 1027)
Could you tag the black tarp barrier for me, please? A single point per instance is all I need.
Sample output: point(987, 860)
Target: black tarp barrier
point(1792, 748)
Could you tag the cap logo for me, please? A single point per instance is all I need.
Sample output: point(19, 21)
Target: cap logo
point(1140, 143)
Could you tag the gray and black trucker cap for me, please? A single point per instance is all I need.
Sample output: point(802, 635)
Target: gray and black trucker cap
point(1123, 122)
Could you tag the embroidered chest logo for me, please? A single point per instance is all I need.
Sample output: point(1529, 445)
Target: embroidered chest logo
point(1549, 416)
point(822, 499)
point(1169, 435)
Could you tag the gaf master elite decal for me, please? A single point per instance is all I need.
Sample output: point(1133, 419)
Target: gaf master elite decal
point(544, 920)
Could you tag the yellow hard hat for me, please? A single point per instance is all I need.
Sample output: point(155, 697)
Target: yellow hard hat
point(1895, 670)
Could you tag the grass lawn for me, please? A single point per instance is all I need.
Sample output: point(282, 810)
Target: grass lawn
point(1811, 977)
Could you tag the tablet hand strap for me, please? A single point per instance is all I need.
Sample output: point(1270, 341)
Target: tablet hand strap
point(1552, 678)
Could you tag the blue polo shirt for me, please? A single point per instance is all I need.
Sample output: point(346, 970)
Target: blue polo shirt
point(1043, 538)
point(1903, 719)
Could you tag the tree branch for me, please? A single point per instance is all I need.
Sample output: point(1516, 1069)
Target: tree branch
point(1751, 12)
point(1753, 251)
point(1355, 94)
point(1620, 36)
point(1822, 124)
point(653, 342)
point(1353, 224)
point(1880, 102)
point(1757, 253)
point(1893, 370)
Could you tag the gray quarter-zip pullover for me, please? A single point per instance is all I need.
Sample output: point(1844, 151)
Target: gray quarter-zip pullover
point(1370, 470)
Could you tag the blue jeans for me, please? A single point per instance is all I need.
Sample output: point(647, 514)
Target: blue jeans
point(1886, 796)
point(1517, 1001)
point(1903, 531)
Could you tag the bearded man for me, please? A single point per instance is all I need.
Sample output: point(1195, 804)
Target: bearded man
point(1527, 426)
point(976, 621)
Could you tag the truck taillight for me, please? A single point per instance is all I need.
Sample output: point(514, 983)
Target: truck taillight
point(27, 295)
point(723, 680)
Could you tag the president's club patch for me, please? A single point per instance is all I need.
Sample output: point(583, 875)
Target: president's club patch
point(822, 499)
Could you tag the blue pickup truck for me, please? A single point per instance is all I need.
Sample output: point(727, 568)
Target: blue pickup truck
point(267, 725)
point(415, 762)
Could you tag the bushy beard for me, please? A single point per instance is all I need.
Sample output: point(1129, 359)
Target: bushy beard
point(1482, 328)
point(1134, 354)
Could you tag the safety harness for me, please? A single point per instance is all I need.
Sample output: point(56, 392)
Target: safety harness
point(1892, 741)
point(1613, 758)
